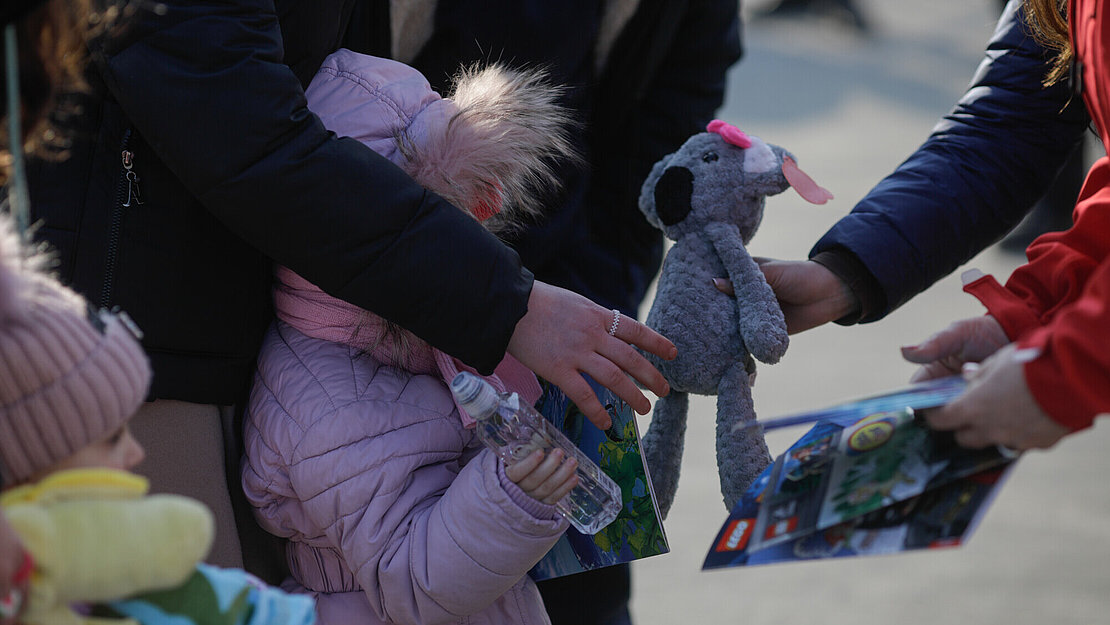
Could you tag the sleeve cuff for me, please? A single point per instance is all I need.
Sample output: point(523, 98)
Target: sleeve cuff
point(523, 500)
point(1071, 404)
point(846, 266)
point(1010, 310)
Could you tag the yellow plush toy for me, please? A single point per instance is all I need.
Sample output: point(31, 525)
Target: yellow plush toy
point(95, 536)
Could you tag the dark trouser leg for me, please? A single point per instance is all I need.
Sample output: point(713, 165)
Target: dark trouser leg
point(597, 597)
point(263, 553)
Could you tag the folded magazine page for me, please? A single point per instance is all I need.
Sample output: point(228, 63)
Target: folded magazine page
point(637, 531)
point(868, 478)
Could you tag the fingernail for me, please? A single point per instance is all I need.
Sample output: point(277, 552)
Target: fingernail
point(718, 282)
point(969, 370)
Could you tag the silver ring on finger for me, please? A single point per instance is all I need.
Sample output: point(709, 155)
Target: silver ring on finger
point(615, 323)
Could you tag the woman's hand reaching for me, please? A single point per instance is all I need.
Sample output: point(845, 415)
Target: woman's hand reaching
point(564, 335)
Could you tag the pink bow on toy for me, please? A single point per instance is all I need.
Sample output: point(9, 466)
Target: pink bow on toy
point(731, 134)
point(798, 179)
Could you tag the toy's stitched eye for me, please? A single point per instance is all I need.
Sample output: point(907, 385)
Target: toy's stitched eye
point(709, 157)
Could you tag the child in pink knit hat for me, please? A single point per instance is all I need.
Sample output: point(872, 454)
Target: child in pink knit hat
point(70, 379)
point(356, 450)
point(76, 528)
point(70, 376)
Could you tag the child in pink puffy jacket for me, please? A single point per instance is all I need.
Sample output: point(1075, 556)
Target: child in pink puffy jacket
point(356, 451)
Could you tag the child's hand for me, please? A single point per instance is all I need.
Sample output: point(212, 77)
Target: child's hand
point(547, 478)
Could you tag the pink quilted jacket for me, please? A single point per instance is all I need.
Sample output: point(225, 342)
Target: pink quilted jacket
point(393, 511)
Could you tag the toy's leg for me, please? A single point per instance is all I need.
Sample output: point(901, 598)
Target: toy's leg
point(741, 455)
point(662, 446)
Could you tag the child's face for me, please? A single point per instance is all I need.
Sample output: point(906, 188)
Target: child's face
point(118, 450)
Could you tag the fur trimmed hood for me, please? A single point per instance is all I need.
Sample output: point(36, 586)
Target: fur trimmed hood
point(490, 149)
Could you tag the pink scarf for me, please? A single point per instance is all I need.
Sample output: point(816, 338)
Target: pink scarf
point(314, 313)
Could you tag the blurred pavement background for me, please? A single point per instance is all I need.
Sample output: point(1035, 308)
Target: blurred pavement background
point(851, 108)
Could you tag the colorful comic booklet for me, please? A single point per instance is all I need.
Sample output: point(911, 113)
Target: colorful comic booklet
point(868, 478)
point(637, 531)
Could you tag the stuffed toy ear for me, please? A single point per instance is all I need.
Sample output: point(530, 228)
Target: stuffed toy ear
point(495, 156)
point(801, 182)
point(673, 195)
point(647, 191)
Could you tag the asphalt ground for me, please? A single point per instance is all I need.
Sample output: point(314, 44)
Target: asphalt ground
point(851, 108)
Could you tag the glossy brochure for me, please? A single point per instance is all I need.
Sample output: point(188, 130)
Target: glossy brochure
point(637, 531)
point(868, 479)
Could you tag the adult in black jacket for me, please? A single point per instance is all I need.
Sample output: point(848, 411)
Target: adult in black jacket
point(643, 75)
point(196, 166)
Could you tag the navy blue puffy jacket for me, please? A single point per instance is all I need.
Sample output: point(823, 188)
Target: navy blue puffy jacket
point(980, 171)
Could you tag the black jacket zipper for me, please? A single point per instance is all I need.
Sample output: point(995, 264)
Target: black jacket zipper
point(127, 195)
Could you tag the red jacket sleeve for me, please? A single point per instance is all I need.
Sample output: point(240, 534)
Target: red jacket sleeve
point(1060, 302)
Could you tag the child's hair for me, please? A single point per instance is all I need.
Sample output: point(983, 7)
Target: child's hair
point(69, 375)
point(1048, 21)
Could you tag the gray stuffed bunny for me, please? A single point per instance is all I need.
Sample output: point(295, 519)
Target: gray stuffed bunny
point(708, 198)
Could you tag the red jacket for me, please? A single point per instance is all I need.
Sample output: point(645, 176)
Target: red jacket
point(1060, 300)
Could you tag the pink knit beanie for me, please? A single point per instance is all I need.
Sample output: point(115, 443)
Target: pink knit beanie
point(69, 375)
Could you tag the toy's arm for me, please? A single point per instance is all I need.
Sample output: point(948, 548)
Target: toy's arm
point(761, 322)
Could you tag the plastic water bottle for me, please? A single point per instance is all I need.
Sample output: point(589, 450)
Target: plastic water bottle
point(513, 430)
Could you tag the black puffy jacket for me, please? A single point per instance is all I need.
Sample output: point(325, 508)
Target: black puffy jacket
point(661, 80)
point(202, 104)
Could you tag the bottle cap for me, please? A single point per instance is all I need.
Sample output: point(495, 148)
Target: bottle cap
point(476, 396)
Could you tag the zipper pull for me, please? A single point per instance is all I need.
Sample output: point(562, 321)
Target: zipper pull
point(132, 180)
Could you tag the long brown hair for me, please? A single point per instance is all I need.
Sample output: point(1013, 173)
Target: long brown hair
point(50, 51)
point(1048, 21)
